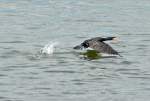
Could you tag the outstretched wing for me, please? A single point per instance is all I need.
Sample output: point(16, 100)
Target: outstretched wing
point(102, 47)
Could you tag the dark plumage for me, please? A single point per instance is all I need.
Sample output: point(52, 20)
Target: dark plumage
point(98, 44)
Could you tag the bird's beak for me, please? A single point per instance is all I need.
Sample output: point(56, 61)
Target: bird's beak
point(115, 40)
point(78, 47)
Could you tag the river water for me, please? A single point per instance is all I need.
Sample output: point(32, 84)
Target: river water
point(28, 25)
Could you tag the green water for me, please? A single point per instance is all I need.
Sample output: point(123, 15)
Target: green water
point(91, 54)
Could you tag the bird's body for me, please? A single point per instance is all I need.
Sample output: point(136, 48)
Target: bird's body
point(99, 45)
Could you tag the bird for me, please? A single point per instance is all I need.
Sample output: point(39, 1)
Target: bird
point(98, 44)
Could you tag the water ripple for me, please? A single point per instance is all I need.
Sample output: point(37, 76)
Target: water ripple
point(61, 71)
point(139, 77)
point(12, 42)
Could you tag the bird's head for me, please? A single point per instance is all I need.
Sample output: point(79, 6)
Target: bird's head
point(83, 45)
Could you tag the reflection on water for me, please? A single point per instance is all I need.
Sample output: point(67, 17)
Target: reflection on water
point(27, 25)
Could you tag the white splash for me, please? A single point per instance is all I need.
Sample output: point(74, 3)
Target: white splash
point(108, 55)
point(49, 48)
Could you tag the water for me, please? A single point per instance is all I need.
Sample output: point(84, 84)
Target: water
point(28, 25)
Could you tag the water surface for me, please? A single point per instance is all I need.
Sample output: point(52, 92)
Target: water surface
point(27, 25)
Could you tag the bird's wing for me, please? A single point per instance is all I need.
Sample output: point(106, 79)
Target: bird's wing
point(96, 39)
point(102, 47)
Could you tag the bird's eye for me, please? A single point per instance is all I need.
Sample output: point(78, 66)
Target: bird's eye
point(85, 44)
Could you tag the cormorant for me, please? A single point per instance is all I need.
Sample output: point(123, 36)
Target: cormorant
point(98, 44)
